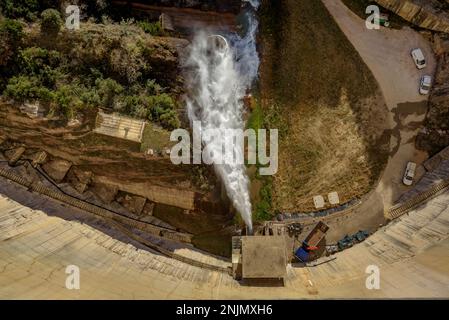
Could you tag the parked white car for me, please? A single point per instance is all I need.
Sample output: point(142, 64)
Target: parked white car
point(418, 58)
point(425, 85)
point(409, 173)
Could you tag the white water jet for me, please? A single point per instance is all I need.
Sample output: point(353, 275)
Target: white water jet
point(221, 69)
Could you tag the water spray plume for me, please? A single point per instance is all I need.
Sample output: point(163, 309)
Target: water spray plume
point(221, 69)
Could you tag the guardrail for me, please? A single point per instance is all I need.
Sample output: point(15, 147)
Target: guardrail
point(404, 207)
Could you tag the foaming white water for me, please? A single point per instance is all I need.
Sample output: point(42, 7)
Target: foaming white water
point(218, 78)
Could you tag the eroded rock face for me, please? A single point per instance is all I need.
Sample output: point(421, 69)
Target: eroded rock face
point(434, 16)
point(212, 5)
point(429, 14)
point(79, 179)
point(57, 169)
point(435, 134)
point(132, 203)
point(105, 192)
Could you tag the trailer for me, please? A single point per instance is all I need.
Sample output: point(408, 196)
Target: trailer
point(311, 242)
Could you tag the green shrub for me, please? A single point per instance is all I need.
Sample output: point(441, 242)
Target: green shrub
point(34, 59)
point(153, 28)
point(161, 104)
point(42, 63)
point(11, 34)
point(152, 88)
point(67, 100)
point(157, 108)
point(128, 104)
point(51, 22)
point(12, 30)
point(23, 88)
point(108, 90)
point(170, 120)
point(163, 110)
point(263, 208)
point(90, 97)
point(20, 8)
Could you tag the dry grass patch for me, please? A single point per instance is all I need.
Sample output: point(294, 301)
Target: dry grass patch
point(332, 115)
point(324, 152)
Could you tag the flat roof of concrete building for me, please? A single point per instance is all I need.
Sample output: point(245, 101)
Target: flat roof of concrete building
point(119, 126)
point(264, 257)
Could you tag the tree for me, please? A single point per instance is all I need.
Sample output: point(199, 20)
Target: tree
point(20, 8)
point(108, 90)
point(12, 29)
point(23, 88)
point(51, 22)
point(11, 33)
point(153, 28)
point(170, 120)
point(42, 63)
point(67, 100)
point(163, 110)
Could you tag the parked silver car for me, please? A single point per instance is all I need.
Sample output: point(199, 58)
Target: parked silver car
point(409, 174)
point(425, 85)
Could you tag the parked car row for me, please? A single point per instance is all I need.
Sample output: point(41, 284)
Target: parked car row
point(420, 62)
point(425, 85)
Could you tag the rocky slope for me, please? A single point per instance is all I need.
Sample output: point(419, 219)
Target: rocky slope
point(435, 134)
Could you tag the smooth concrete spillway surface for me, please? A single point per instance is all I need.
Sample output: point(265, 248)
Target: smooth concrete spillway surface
point(412, 254)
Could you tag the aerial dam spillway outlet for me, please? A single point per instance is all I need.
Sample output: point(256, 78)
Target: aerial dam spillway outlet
point(264, 256)
point(217, 43)
point(136, 138)
point(217, 83)
point(259, 258)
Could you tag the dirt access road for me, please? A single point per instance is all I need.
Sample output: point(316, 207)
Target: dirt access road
point(387, 54)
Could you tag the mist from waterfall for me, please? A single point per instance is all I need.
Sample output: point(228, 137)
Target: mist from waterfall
point(218, 78)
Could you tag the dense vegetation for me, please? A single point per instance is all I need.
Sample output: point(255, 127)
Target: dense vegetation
point(27, 9)
point(108, 65)
point(30, 10)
